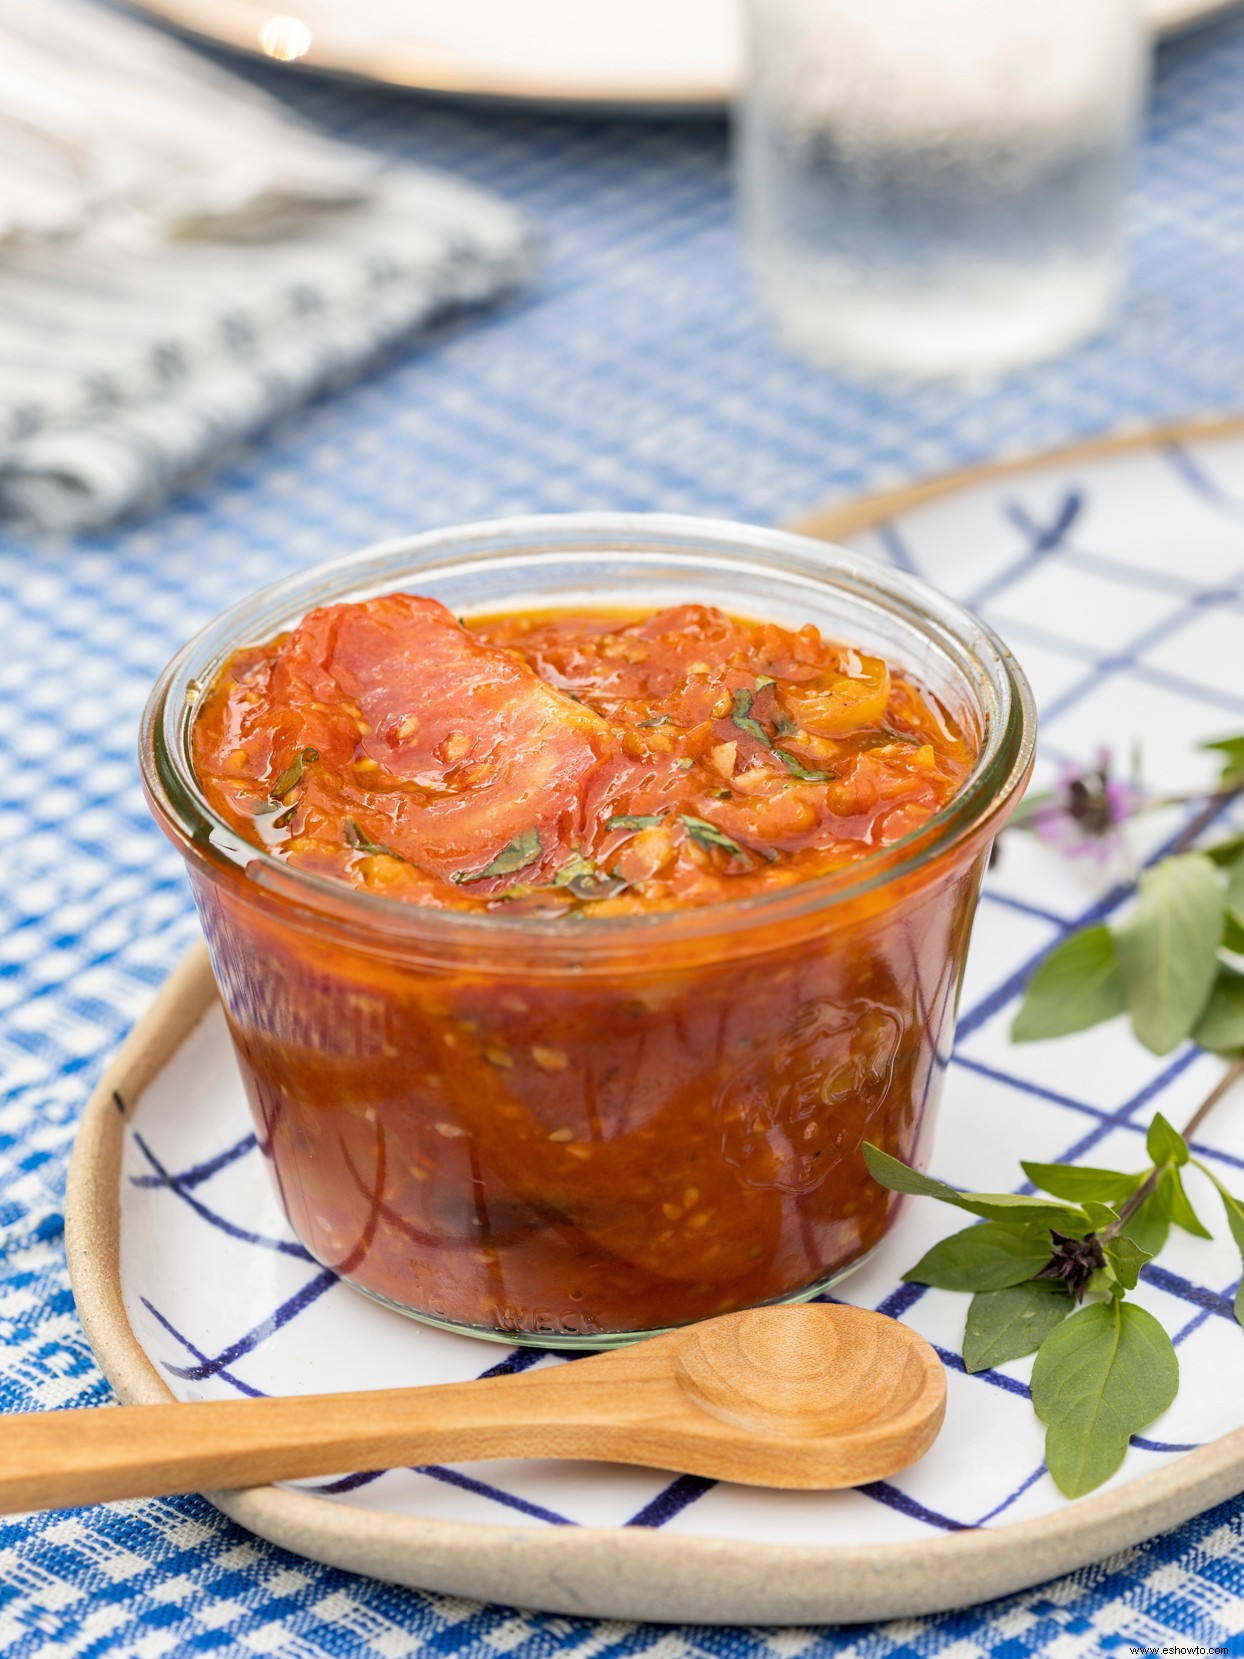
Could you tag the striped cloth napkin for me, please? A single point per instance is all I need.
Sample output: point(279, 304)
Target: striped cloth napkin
point(181, 262)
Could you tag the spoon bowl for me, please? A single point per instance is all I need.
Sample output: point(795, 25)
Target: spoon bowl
point(810, 1376)
point(818, 1395)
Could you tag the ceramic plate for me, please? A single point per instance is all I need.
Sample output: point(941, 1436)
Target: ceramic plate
point(639, 54)
point(1118, 577)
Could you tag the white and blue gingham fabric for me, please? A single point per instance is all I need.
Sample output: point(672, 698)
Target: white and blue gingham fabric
point(636, 373)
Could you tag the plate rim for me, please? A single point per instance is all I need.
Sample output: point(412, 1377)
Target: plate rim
point(231, 23)
point(625, 1573)
point(836, 519)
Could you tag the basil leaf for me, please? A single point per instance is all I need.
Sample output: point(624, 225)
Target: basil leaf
point(708, 835)
point(1125, 1259)
point(658, 720)
point(291, 777)
point(1167, 950)
point(1182, 1213)
point(634, 820)
point(887, 735)
point(1077, 985)
point(1080, 1181)
point(1033, 798)
point(1232, 751)
point(1007, 1324)
point(355, 838)
point(1235, 1220)
point(741, 716)
point(1099, 1378)
point(580, 876)
point(1149, 1228)
point(1226, 852)
point(1221, 1027)
point(574, 867)
point(793, 764)
point(1235, 891)
point(1164, 1143)
point(991, 1206)
point(989, 1257)
point(1098, 1215)
point(1233, 935)
point(525, 849)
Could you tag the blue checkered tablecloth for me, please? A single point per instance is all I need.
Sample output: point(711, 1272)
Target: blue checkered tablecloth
point(636, 372)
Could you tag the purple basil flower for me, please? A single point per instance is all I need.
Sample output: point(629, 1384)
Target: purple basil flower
point(1086, 809)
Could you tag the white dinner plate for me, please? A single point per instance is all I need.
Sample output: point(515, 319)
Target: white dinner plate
point(1117, 573)
point(624, 54)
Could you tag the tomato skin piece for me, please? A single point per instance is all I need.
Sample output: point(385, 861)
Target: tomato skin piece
point(447, 749)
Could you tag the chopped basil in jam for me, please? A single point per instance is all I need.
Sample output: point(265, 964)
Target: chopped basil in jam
point(291, 777)
point(708, 835)
point(361, 843)
point(634, 820)
point(795, 765)
point(741, 717)
point(522, 851)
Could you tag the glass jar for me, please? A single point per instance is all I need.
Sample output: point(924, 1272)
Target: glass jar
point(570, 1134)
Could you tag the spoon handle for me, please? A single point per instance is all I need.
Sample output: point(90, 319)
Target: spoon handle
point(59, 1459)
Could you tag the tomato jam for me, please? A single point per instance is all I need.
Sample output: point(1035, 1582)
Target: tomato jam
point(576, 763)
point(501, 1137)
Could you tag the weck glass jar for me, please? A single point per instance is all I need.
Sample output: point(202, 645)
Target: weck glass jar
point(574, 1134)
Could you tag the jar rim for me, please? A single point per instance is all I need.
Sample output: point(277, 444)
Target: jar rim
point(1003, 762)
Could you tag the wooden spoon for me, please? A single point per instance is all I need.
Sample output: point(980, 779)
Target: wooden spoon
point(818, 1395)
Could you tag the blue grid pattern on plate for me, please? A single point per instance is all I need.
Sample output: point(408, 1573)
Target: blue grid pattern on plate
point(635, 373)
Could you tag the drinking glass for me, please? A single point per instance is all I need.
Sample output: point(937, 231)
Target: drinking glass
point(936, 186)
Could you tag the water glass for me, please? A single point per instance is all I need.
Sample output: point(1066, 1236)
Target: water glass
point(936, 186)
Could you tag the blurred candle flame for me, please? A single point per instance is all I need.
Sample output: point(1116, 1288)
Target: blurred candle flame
point(285, 38)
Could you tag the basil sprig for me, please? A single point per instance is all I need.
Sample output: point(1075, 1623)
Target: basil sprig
point(1163, 964)
point(1103, 1370)
point(1168, 963)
